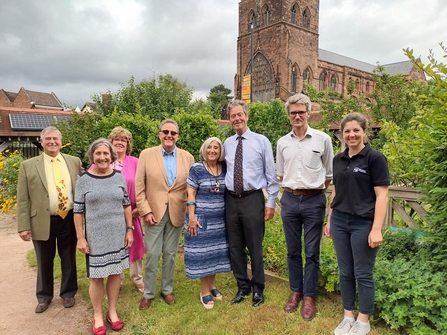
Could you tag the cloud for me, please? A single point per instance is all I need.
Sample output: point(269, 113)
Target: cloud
point(77, 48)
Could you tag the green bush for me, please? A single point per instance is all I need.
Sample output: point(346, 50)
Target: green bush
point(274, 247)
point(9, 173)
point(410, 294)
point(329, 278)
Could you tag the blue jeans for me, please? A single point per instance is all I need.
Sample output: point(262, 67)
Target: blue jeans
point(306, 212)
point(355, 259)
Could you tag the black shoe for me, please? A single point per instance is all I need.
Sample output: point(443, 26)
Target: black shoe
point(258, 298)
point(240, 296)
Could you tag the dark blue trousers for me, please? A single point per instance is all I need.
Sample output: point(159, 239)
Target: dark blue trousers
point(355, 259)
point(303, 213)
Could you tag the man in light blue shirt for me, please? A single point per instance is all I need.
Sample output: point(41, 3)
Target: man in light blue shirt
point(245, 207)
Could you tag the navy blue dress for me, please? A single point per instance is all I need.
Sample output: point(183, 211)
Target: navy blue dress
point(207, 253)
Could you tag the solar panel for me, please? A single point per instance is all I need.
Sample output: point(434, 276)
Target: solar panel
point(34, 121)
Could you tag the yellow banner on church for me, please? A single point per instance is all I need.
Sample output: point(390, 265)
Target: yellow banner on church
point(246, 88)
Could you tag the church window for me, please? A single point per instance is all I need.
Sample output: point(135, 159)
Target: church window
point(367, 87)
point(306, 76)
point(252, 21)
point(306, 18)
point(293, 80)
point(267, 16)
point(263, 81)
point(294, 14)
point(323, 81)
point(334, 83)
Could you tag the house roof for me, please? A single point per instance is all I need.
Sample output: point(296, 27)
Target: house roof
point(26, 123)
point(404, 67)
point(42, 99)
point(11, 95)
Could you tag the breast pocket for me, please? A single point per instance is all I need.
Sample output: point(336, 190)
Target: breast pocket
point(313, 160)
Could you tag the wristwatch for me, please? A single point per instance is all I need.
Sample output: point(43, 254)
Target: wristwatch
point(130, 227)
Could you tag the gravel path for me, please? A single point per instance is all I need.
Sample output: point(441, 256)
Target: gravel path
point(17, 293)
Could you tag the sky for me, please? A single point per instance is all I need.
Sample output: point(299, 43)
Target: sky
point(77, 48)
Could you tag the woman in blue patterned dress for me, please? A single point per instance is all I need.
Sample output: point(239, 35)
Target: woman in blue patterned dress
point(101, 201)
point(206, 241)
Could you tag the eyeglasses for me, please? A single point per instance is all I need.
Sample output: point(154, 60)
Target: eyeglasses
point(166, 132)
point(294, 114)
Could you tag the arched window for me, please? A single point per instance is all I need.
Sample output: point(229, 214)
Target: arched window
point(306, 18)
point(263, 79)
point(293, 79)
point(306, 76)
point(334, 83)
point(357, 85)
point(252, 21)
point(367, 87)
point(267, 16)
point(323, 81)
point(293, 20)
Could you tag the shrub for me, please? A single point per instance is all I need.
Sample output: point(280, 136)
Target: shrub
point(9, 173)
point(329, 278)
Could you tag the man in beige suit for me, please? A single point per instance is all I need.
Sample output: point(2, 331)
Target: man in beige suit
point(39, 221)
point(160, 185)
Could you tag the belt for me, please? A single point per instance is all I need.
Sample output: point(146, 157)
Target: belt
point(302, 191)
point(241, 195)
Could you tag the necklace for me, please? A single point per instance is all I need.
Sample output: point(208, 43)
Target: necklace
point(215, 175)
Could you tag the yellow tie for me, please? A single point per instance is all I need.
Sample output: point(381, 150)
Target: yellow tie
point(62, 196)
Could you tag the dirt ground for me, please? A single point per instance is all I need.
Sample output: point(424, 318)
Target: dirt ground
point(18, 298)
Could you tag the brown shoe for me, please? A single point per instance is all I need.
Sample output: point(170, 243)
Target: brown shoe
point(42, 307)
point(69, 302)
point(308, 311)
point(169, 298)
point(292, 304)
point(145, 304)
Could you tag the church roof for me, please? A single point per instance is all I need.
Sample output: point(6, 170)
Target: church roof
point(332, 57)
point(404, 67)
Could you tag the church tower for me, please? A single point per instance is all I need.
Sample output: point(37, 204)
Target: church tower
point(278, 45)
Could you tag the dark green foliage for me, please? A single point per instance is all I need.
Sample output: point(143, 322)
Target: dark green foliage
point(274, 247)
point(219, 97)
point(429, 131)
point(410, 293)
point(194, 130)
point(157, 98)
point(78, 132)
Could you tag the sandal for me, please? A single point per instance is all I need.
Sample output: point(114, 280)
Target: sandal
point(216, 294)
point(205, 301)
point(117, 325)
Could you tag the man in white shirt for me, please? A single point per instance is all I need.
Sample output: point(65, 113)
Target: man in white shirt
point(304, 166)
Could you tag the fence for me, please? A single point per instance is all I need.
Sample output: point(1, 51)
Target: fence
point(405, 207)
point(27, 149)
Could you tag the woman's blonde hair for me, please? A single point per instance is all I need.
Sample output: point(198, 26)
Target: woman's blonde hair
point(122, 133)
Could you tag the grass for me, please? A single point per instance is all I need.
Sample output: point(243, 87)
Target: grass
point(187, 315)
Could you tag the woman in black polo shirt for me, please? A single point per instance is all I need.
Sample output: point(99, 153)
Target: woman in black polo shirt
point(358, 207)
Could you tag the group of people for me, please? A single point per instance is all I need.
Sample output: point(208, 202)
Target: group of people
point(124, 207)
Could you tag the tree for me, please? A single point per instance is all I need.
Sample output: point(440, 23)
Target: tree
point(266, 118)
point(157, 98)
point(219, 97)
point(429, 133)
point(78, 132)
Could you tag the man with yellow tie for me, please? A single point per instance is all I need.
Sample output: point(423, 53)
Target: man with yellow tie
point(45, 193)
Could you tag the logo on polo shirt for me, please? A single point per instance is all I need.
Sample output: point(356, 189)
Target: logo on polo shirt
point(357, 169)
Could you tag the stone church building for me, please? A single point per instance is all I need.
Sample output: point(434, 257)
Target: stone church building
point(281, 37)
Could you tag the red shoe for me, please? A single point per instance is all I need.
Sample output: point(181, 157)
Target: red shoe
point(100, 330)
point(117, 325)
